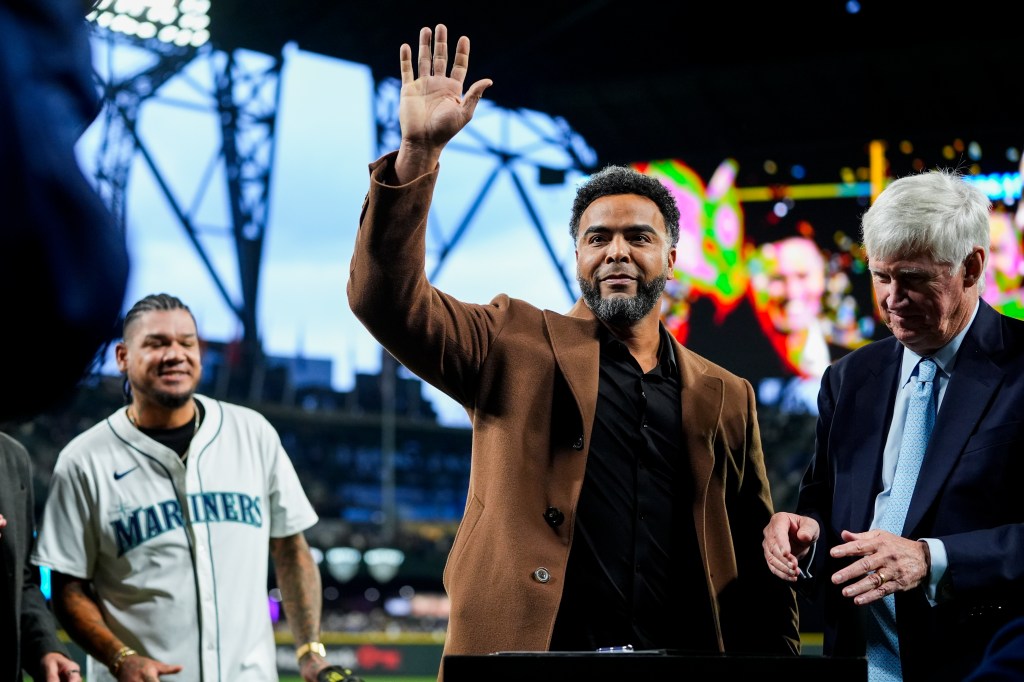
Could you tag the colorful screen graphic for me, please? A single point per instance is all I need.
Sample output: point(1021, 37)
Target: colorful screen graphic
point(776, 289)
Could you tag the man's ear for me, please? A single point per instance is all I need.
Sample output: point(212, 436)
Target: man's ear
point(121, 356)
point(974, 266)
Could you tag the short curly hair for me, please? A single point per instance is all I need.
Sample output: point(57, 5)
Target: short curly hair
point(625, 180)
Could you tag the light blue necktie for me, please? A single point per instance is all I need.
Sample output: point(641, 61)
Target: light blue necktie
point(884, 661)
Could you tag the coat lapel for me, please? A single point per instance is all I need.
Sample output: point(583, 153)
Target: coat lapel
point(575, 343)
point(863, 434)
point(703, 400)
point(973, 383)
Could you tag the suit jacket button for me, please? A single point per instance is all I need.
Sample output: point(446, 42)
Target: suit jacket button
point(578, 445)
point(554, 516)
point(542, 575)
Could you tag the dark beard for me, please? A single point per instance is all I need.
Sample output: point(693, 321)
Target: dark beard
point(623, 312)
point(171, 401)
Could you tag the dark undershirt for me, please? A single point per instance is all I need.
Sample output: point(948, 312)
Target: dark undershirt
point(180, 437)
point(634, 574)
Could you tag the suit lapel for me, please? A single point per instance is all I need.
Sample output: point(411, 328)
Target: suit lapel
point(973, 383)
point(702, 402)
point(576, 346)
point(865, 430)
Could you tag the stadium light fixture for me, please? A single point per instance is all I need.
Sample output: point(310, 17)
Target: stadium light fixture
point(383, 562)
point(343, 562)
point(185, 23)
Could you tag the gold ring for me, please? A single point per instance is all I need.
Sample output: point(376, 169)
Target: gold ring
point(881, 577)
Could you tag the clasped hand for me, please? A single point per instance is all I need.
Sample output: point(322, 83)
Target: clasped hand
point(888, 563)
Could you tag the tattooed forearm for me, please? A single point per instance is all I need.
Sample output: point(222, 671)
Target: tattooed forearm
point(299, 581)
point(77, 610)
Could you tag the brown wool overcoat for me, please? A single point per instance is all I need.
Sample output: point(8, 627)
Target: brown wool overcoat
point(528, 379)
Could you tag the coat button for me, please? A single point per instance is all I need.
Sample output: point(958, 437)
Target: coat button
point(542, 575)
point(554, 517)
point(578, 445)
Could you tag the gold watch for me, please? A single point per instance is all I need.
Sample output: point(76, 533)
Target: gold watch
point(310, 647)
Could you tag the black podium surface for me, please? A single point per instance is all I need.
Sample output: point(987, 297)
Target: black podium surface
point(565, 666)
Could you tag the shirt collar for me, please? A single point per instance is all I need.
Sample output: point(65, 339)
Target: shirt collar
point(944, 357)
point(666, 351)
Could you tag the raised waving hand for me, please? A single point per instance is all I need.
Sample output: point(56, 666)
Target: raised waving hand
point(432, 108)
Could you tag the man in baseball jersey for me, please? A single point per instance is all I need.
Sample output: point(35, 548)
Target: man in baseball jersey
point(159, 520)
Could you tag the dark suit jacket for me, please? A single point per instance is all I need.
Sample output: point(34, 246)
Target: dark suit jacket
point(25, 618)
point(968, 494)
point(528, 379)
point(1004, 658)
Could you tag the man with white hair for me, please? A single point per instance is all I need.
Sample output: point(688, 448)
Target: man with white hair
point(911, 506)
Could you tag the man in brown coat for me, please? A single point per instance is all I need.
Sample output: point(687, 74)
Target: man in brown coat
point(617, 490)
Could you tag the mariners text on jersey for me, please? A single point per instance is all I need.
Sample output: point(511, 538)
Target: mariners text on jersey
point(136, 526)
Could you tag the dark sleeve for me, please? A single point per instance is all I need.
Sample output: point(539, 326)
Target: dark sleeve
point(63, 260)
point(38, 627)
point(815, 496)
point(776, 629)
point(1004, 659)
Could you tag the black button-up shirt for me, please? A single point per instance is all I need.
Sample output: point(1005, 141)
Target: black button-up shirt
point(634, 574)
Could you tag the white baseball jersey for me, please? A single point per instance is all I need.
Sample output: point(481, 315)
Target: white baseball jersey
point(178, 552)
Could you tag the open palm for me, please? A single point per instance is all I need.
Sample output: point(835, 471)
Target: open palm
point(432, 108)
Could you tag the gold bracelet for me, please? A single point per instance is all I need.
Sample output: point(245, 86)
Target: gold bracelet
point(118, 660)
point(310, 647)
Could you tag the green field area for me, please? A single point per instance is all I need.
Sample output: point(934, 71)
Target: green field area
point(375, 656)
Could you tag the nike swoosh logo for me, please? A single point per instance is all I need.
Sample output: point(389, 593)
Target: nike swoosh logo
point(119, 475)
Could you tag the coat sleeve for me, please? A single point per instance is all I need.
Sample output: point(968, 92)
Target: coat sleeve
point(815, 498)
point(38, 628)
point(775, 630)
point(437, 337)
